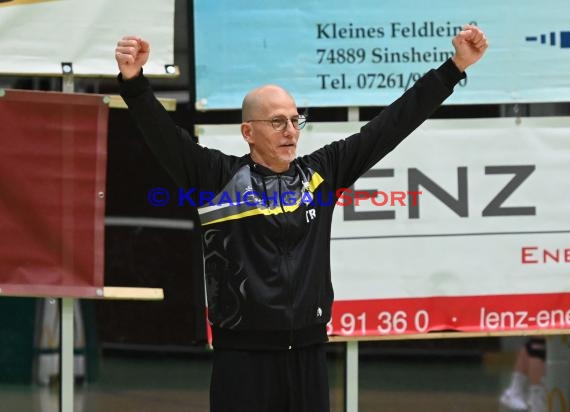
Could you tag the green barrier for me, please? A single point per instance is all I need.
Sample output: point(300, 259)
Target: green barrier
point(17, 320)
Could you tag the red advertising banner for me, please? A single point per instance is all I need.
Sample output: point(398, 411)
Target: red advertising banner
point(53, 154)
point(500, 313)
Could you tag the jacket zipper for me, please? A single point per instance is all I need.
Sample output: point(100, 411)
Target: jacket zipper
point(288, 274)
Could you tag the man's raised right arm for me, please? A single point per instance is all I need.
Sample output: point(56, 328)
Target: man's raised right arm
point(172, 145)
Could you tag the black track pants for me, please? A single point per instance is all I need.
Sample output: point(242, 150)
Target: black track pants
point(270, 381)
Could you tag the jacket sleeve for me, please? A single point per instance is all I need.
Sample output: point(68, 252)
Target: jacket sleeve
point(189, 164)
point(344, 161)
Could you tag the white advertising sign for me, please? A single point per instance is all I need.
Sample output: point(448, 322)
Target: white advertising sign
point(486, 235)
point(39, 35)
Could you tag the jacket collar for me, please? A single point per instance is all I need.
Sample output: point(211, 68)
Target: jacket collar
point(262, 170)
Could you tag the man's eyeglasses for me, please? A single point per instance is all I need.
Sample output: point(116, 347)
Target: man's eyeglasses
point(279, 123)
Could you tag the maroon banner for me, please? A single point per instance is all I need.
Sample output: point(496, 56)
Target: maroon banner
point(53, 154)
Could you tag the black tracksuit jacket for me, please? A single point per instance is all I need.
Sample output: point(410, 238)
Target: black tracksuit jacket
point(266, 252)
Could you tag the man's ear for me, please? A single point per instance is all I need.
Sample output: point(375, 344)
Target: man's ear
point(246, 132)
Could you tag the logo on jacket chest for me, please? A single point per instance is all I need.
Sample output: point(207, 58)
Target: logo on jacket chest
point(310, 214)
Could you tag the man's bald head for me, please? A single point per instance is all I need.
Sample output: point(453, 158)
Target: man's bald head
point(259, 102)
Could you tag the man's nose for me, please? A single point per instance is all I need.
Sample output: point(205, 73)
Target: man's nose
point(289, 128)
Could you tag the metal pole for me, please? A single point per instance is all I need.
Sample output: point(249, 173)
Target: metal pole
point(66, 356)
point(351, 378)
